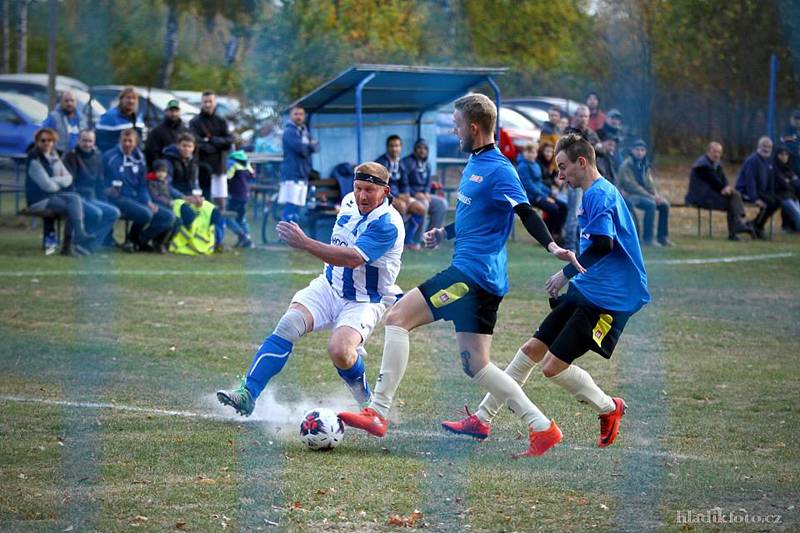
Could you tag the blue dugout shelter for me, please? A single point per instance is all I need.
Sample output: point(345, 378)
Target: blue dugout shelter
point(352, 114)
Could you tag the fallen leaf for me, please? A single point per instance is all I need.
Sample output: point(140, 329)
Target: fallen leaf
point(22, 476)
point(414, 517)
point(396, 520)
point(141, 518)
point(205, 480)
point(604, 507)
point(180, 525)
point(295, 505)
point(141, 482)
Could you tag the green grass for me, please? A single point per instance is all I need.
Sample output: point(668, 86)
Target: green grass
point(708, 370)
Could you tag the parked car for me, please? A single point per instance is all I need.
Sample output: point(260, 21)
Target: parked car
point(544, 103)
point(20, 117)
point(152, 102)
point(42, 79)
point(91, 109)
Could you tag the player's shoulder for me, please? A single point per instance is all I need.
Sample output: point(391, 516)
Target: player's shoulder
point(601, 193)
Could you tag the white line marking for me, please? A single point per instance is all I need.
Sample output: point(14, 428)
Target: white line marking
point(714, 260)
point(418, 434)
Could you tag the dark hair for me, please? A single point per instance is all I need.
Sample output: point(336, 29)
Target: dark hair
point(478, 108)
point(208, 93)
point(393, 137)
point(556, 109)
point(576, 146)
point(592, 93)
point(42, 131)
point(186, 136)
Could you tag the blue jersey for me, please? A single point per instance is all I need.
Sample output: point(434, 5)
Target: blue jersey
point(487, 194)
point(618, 281)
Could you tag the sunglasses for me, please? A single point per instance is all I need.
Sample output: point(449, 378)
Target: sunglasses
point(47, 140)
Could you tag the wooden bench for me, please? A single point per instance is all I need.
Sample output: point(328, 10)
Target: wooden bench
point(710, 212)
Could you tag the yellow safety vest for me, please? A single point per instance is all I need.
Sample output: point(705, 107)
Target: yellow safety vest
point(199, 238)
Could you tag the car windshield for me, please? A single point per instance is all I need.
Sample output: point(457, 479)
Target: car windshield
point(511, 119)
point(35, 112)
point(534, 113)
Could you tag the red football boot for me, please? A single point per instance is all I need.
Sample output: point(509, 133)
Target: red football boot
point(471, 425)
point(367, 419)
point(609, 423)
point(541, 441)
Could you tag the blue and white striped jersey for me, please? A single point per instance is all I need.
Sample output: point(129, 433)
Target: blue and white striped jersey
point(378, 236)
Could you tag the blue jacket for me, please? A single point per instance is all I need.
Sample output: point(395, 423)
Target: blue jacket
point(130, 170)
point(755, 176)
point(418, 174)
point(68, 128)
point(87, 171)
point(530, 174)
point(297, 150)
point(398, 183)
point(112, 123)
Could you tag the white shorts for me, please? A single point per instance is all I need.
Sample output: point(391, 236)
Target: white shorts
point(219, 186)
point(331, 311)
point(293, 192)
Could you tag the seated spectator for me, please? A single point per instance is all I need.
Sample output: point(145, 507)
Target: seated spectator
point(398, 183)
point(791, 138)
point(122, 117)
point(126, 187)
point(47, 184)
point(596, 117)
point(605, 159)
point(67, 121)
point(417, 170)
point(165, 133)
point(786, 186)
point(636, 181)
point(546, 157)
point(539, 193)
point(551, 129)
point(755, 183)
point(709, 189)
point(182, 165)
point(85, 163)
point(240, 173)
point(613, 128)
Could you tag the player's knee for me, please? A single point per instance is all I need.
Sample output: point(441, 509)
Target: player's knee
point(534, 349)
point(342, 355)
point(395, 318)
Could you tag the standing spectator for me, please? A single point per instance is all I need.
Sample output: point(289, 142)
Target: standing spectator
point(239, 175)
point(709, 189)
point(85, 163)
point(596, 117)
point(398, 183)
point(165, 133)
point(296, 167)
point(791, 138)
point(122, 117)
point(125, 170)
point(47, 184)
point(580, 125)
point(417, 169)
point(267, 141)
point(756, 184)
point(786, 186)
point(67, 121)
point(214, 140)
point(540, 194)
point(636, 181)
point(182, 165)
point(551, 129)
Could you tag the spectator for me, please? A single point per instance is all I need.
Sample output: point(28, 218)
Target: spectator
point(539, 193)
point(85, 163)
point(296, 167)
point(613, 128)
point(636, 181)
point(580, 126)
point(214, 140)
point(709, 189)
point(551, 129)
point(182, 165)
point(165, 133)
point(268, 141)
point(756, 184)
point(67, 121)
point(786, 186)
point(417, 170)
point(240, 173)
point(46, 189)
point(162, 193)
point(122, 117)
point(546, 157)
point(791, 138)
point(605, 160)
point(398, 183)
point(596, 117)
point(126, 187)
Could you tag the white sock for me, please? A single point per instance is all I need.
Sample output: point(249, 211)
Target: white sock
point(580, 384)
point(519, 369)
point(508, 392)
point(393, 366)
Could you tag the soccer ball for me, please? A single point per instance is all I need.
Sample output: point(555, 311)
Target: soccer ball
point(321, 429)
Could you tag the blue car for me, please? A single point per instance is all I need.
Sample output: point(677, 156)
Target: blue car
point(20, 117)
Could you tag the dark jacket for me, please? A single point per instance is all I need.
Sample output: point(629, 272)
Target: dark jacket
point(161, 192)
point(297, 150)
point(791, 138)
point(160, 137)
point(755, 178)
point(418, 174)
point(183, 174)
point(786, 181)
point(706, 180)
point(398, 183)
point(87, 171)
point(34, 192)
point(213, 140)
point(606, 166)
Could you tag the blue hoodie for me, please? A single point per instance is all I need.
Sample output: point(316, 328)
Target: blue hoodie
point(530, 174)
point(297, 150)
point(130, 170)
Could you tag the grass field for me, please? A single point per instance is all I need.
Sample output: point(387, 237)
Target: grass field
point(108, 366)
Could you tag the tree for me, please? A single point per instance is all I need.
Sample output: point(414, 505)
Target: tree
point(170, 44)
point(6, 30)
point(22, 35)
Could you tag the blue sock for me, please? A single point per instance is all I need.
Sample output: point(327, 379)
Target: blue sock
point(290, 212)
point(411, 227)
point(356, 379)
point(268, 361)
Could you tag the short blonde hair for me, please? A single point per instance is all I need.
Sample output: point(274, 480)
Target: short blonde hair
point(374, 169)
point(480, 109)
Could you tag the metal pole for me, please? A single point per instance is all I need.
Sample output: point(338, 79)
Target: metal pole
point(52, 34)
point(359, 123)
point(773, 75)
point(497, 102)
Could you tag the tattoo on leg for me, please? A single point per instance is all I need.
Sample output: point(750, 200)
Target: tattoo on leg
point(465, 355)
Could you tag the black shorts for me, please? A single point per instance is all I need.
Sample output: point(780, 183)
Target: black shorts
point(451, 295)
point(576, 326)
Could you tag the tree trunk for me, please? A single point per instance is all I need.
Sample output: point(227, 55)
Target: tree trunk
point(6, 13)
point(170, 46)
point(22, 35)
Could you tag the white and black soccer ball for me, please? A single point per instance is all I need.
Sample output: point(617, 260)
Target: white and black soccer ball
point(321, 429)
